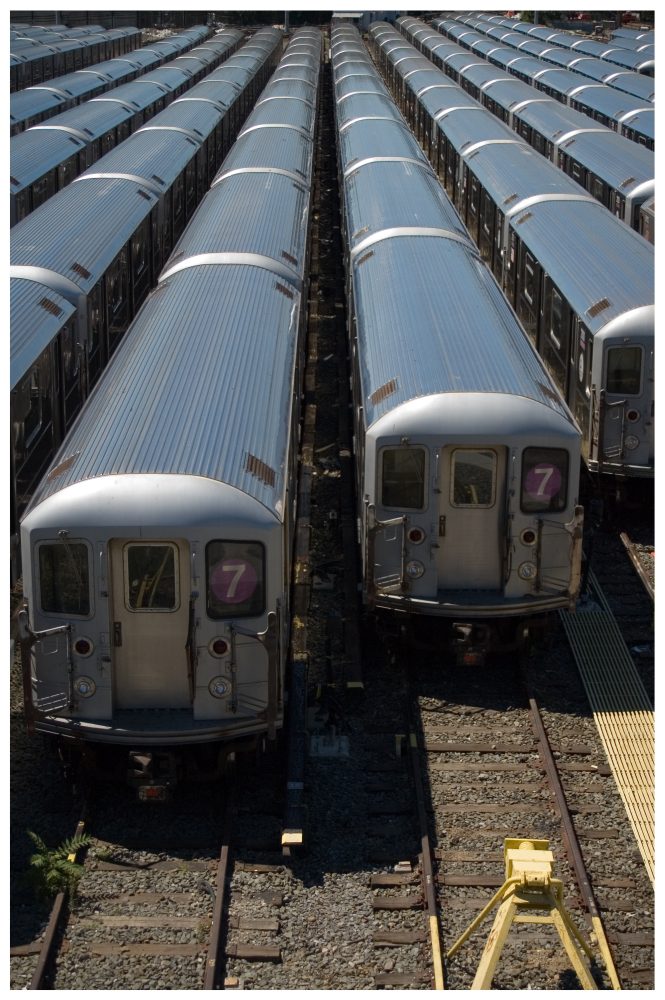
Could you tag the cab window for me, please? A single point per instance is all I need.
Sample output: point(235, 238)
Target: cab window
point(64, 578)
point(624, 369)
point(235, 579)
point(403, 478)
point(544, 480)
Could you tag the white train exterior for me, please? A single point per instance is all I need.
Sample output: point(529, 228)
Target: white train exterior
point(467, 459)
point(157, 549)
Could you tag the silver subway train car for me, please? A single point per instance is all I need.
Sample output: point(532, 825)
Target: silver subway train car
point(467, 459)
point(580, 280)
point(157, 549)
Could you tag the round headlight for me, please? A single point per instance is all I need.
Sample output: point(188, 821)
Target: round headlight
point(631, 442)
point(527, 571)
point(85, 687)
point(528, 536)
point(219, 687)
point(415, 535)
point(83, 646)
point(414, 569)
point(633, 416)
point(218, 646)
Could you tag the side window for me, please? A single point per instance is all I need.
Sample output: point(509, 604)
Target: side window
point(544, 480)
point(64, 578)
point(235, 579)
point(403, 478)
point(624, 370)
point(473, 478)
point(151, 577)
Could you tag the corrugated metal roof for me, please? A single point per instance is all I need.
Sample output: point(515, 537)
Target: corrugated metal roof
point(149, 414)
point(33, 152)
point(614, 262)
point(25, 104)
point(86, 224)
point(282, 149)
point(367, 105)
point(264, 213)
point(35, 317)
point(95, 117)
point(360, 140)
point(624, 164)
point(148, 153)
point(406, 333)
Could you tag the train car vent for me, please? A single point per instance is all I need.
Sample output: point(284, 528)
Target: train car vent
point(628, 180)
point(157, 178)
point(384, 391)
point(598, 307)
point(546, 391)
point(80, 269)
point(555, 135)
point(50, 307)
point(360, 232)
point(365, 256)
point(74, 141)
point(510, 199)
point(291, 259)
point(299, 187)
point(259, 469)
point(284, 290)
point(13, 180)
point(62, 468)
point(565, 145)
point(523, 219)
point(144, 194)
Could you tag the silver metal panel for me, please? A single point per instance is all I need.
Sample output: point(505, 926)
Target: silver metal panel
point(368, 106)
point(279, 149)
point(36, 314)
point(607, 155)
point(196, 116)
point(33, 152)
point(90, 231)
point(25, 104)
point(264, 213)
point(421, 333)
point(614, 262)
point(149, 152)
point(245, 329)
point(282, 111)
point(95, 117)
point(361, 139)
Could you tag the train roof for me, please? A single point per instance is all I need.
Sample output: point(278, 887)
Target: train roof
point(225, 419)
point(420, 338)
point(79, 231)
point(25, 104)
point(37, 150)
point(35, 317)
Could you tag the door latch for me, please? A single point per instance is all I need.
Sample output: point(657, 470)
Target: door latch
point(117, 633)
point(442, 526)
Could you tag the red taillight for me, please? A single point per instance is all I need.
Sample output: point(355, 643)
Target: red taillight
point(415, 535)
point(219, 647)
point(83, 647)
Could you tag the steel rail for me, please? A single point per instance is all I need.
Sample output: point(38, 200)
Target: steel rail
point(639, 568)
point(428, 877)
point(571, 841)
point(55, 923)
point(213, 963)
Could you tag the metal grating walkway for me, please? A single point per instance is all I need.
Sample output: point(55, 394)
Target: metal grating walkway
point(622, 711)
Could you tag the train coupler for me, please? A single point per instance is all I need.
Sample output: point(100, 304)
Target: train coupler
point(153, 774)
point(471, 643)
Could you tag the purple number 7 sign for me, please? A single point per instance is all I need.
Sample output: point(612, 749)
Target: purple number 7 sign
point(543, 480)
point(233, 581)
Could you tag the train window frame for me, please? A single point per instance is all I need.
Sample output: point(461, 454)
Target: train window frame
point(65, 548)
point(238, 551)
point(551, 460)
point(134, 608)
point(395, 449)
point(611, 352)
point(453, 498)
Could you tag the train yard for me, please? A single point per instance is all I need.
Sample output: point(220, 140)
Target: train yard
point(425, 787)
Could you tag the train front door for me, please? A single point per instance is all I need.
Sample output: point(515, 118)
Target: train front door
point(149, 623)
point(470, 552)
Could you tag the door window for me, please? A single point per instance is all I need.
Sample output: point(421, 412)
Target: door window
point(151, 582)
point(473, 478)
